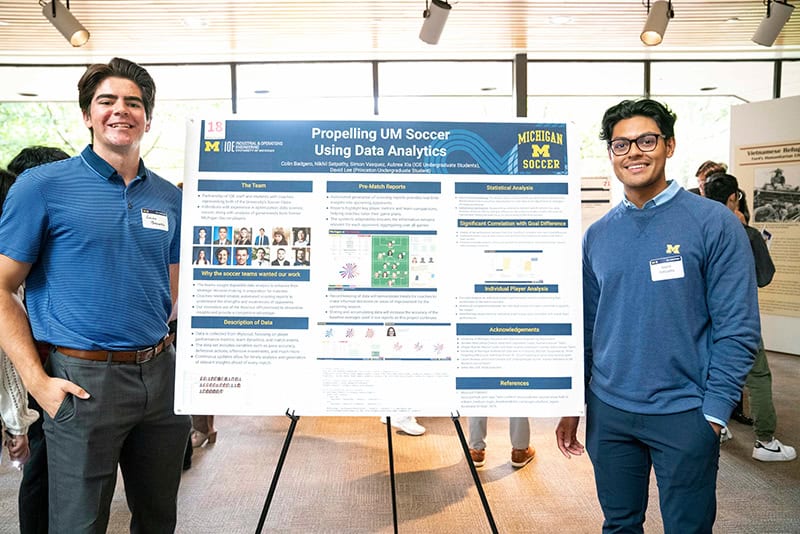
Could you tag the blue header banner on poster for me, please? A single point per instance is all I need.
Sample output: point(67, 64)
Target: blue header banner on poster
point(383, 147)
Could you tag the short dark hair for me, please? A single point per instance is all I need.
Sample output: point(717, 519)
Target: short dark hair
point(720, 186)
point(7, 179)
point(664, 117)
point(117, 68)
point(33, 156)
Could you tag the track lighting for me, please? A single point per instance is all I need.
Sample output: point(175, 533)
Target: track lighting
point(777, 16)
point(657, 20)
point(435, 17)
point(60, 17)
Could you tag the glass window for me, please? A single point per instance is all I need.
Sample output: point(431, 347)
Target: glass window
point(746, 81)
point(191, 82)
point(579, 93)
point(446, 90)
point(55, 124)
point(701, 94)
point(41, 84)
point(305, 90)
point(447, 108)
point(445, 78)
point(702, 132)
point(790, 78)
point(585, 78)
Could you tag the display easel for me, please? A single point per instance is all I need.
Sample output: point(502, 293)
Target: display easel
point(278, 469)
point(455, 417)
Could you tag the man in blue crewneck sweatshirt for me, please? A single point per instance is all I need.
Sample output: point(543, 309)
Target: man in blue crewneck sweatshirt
point(671, 327)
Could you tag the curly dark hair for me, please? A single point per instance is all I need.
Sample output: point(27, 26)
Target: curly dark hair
point(33, 156)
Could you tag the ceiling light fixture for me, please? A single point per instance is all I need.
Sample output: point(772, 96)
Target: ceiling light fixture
point(435, 16)
point(777, 16)
point(60, 17)
point(658, 16)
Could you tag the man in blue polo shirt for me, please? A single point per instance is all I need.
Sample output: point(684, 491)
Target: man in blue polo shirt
point(109, 390)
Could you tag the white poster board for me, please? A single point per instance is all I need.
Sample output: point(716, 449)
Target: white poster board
point(405, 267)
point(765, 151)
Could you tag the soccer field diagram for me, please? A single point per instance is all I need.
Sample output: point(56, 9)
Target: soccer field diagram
point(390, 261)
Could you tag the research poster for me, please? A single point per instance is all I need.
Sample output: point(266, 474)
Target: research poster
point(380, 267)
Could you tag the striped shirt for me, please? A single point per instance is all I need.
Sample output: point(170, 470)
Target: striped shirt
point(100, 251)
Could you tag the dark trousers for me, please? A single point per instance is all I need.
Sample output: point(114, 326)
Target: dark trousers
point(33, 488)
point(683, 450)
point(129, 422)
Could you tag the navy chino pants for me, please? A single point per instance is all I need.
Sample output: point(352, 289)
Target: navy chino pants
point(683, 450)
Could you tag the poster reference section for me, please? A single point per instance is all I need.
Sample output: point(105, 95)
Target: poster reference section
point(373, 267)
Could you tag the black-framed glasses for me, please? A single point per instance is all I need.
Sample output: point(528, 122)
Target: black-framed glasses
point(620, 146)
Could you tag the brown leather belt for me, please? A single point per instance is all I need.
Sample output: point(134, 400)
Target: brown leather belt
point(120, 356)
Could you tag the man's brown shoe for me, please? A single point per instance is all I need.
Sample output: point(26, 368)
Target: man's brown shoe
point(521, 457)
point(478, 457)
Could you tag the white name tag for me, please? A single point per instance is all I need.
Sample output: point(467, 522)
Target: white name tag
point(155, 220)
point(668, 268)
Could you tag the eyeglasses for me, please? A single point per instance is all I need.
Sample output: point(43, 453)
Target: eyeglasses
point(646, 143)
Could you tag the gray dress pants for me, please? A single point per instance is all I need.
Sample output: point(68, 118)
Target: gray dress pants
point(519, 430)
point(128, 422)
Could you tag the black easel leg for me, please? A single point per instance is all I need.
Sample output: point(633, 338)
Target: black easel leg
point(474, 472)
point(278, 469)
point(391, 471)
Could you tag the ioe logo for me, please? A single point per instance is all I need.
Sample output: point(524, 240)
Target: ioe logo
point(673, 249)
point(211, 146)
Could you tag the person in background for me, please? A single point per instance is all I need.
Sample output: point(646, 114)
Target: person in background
point(724, 188)
point(16, 416)
point(33, 156)
point(33, 489)
point(706, 168)
point(671, 326)
point(203, 430)
point(519, 430)
point(108, 392)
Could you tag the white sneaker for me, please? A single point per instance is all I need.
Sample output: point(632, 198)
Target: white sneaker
point(408, 425)
point(725, 434)
point(774, 451)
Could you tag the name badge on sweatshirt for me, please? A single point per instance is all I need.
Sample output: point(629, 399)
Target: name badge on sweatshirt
point(668, 268)
point(155, 220)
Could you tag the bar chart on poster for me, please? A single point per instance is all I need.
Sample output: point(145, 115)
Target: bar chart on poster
point(372, 267)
